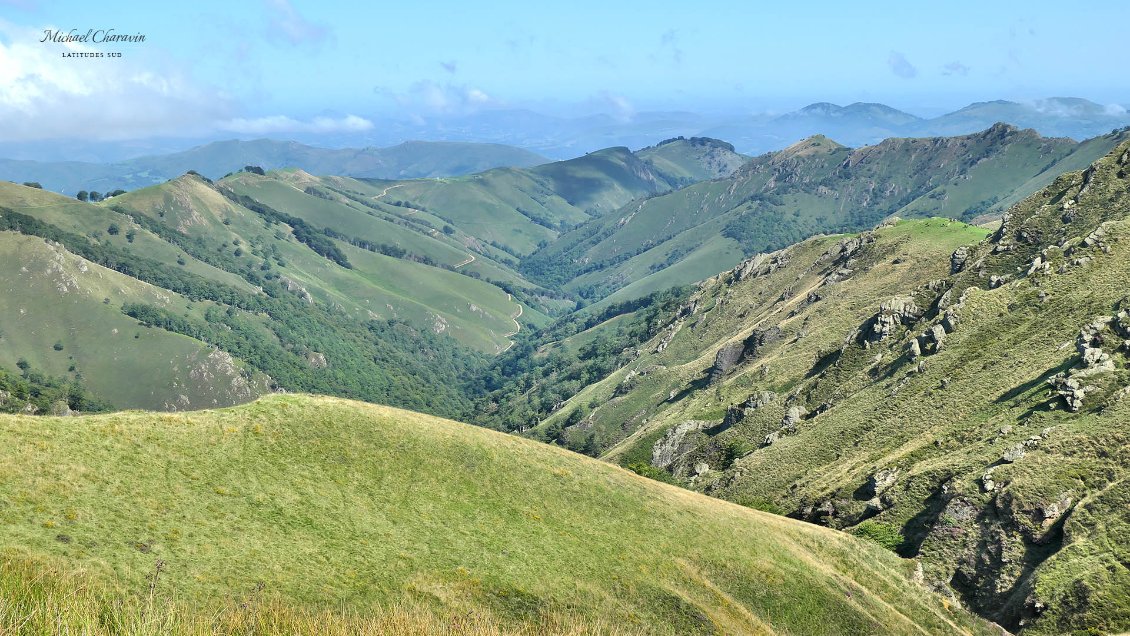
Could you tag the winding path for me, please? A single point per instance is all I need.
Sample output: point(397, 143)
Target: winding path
point(385, 191)
point(471, 259)
point(517, 325)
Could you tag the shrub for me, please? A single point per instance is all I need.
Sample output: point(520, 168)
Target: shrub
point(645, 469)
point(883, 534)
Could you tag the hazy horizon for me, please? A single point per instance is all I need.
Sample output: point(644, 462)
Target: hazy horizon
point(288, 68)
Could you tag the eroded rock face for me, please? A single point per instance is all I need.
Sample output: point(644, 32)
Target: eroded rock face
point(725, 360)
point(761, 265)
point(732, 354)
point(899, 311)
point(676, 442)
point(958, 259)
point(737, 413)
point(880, 482)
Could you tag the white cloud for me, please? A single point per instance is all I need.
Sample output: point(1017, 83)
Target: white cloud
point(283, 124)
point(901, 66)
point(288, 26)
point(1114, 110)
point(44, 95)
point(431, 98)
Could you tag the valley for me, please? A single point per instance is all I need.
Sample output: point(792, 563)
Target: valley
point(819, 336)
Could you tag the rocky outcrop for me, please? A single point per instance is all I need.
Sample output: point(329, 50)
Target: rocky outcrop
point(725, 360)
point(880, 482)
point(761, 265)
point(899, 311)
point(793, 416)
point(677, 442)
point(1073, 386)
point(958, 259)
point(732, 354)
point(737, 412)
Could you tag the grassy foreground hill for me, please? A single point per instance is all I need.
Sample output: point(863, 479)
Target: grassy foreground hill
point(293, 508)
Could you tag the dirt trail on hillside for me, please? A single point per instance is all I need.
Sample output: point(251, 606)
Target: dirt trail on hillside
point(517, 325)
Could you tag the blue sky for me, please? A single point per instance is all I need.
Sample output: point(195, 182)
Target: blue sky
point(273, 64)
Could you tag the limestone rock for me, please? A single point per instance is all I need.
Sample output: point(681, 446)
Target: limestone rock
point(899, 311)
point(958, 259)
point(1013, 453)
point(676, 442)
point(880, 481)
point(792, 417)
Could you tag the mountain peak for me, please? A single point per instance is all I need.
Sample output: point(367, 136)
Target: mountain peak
point(816, 144)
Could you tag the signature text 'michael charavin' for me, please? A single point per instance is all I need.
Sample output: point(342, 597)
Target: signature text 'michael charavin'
point(93, 36)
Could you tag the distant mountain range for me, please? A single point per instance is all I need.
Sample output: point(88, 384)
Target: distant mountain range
point(409, 160)
point(558, 137)
point(855, 125)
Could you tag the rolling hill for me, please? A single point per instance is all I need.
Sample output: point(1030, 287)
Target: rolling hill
point(814, 186)
point(298, 514)
point(957, 397)
point(275, 280)
point(176, 297)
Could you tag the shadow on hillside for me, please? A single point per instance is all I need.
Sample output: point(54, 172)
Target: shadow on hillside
point(1042, 379)
point(916, 529)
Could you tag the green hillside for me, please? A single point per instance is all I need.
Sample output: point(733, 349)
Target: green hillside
point(693, 160)
point(780, 198)
point(960, 402)
point(518, 210)
point(176, 297)
point(274, 511)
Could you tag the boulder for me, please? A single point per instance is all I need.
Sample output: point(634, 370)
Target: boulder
point(958, 259)
point(792, 417)
point(1013, 453)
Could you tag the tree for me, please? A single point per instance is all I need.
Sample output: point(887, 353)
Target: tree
point(447, 229)
point(82, 195)
point(113, 230)
point(23, 365)
point(115, 193)
point(130, 235)
point(95, 196)
point(33, 184)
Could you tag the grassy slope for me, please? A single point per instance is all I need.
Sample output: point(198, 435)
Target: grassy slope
point(476, 313)
point(521, 208)
point(821, 186)
point(51, 296)
point(1044, 548)
point(319, 502)
point(693, 160)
